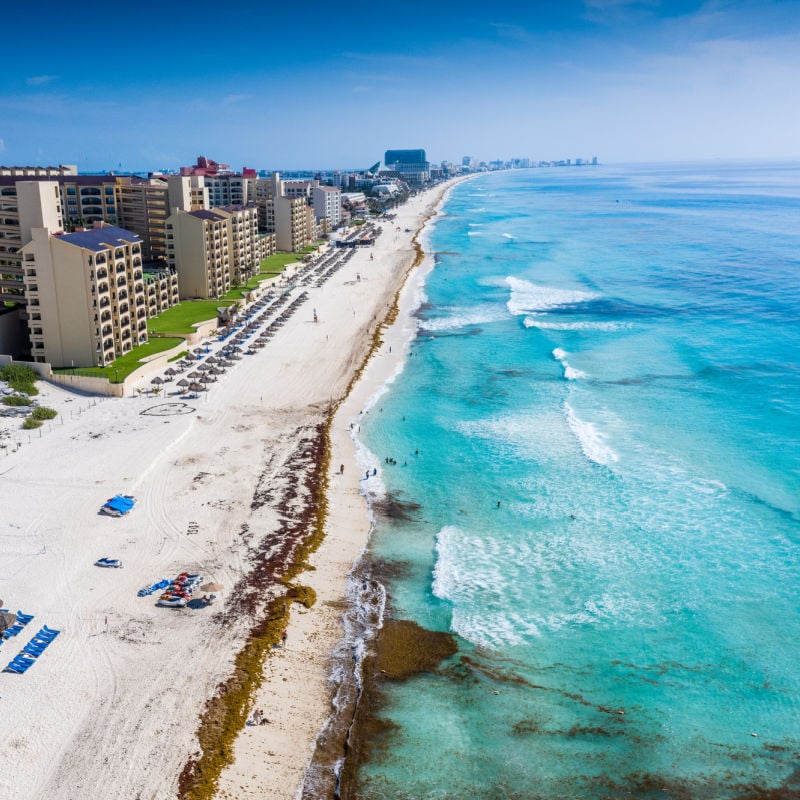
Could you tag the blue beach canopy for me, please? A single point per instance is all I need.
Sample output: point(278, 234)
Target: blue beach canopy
point(121, 503)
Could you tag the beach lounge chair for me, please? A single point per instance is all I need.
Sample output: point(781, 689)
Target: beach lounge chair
point(33, 649)
point(50, 631)
point(24, 618)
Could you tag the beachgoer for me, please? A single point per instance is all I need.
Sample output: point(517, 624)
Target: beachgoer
point(284, 637)
point(498, 504)
point(374, 471)
point(341, 469)
point(366, 475)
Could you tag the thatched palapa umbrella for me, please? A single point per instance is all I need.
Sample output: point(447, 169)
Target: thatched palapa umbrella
point(197, 387)
point(7, 619)
point(183, 382)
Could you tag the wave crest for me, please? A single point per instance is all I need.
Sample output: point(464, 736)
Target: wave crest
point(527, 297)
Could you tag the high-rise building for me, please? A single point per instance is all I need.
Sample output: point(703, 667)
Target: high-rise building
point(198, 247)
point(410, 165)
point(327, 202)
point(85, 295)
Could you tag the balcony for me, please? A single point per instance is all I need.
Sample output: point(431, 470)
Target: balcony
point(120, 268)
point(101, 274)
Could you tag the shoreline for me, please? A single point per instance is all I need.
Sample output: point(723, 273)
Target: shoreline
point(297, 693)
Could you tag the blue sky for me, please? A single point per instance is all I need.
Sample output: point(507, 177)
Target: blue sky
point(152, 85)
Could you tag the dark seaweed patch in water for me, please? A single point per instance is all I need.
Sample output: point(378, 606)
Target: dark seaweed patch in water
point(512, 373)
point(403, 649)
point(425, 333)
point(391, 507)
point(527, 727)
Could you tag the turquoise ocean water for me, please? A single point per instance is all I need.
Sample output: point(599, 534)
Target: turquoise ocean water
point(613, 355)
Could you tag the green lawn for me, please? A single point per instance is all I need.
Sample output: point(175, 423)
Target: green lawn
point(269, 268)
point(180, 318)
point(125, 365)
point(277, 262)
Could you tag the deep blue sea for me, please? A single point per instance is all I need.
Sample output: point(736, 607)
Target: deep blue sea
point(604, 394)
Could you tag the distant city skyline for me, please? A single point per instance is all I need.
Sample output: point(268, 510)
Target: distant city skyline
point(151, 86)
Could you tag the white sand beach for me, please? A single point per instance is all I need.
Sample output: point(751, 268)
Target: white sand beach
point(113, 704)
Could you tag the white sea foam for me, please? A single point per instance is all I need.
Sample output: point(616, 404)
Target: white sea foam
point(476, 224)
point(527, 297)
point(474, 233)
point(462, 317)
point(570, 373)
point(509, 236)
point(471, 573)
point(591, 440)
point(536, 322)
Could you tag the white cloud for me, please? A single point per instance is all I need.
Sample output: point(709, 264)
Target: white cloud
point(2, 145)
point(40, 80)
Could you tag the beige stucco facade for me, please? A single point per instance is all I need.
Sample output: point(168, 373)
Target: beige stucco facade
point(85, 293)
point(198, 247)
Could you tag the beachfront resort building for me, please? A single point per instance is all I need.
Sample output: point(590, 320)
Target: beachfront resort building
point(248, 247)
point(85, 295)
point(327, 204)
point(289, 218)
point(214, 249)
point(410, 166)
point(198, 247)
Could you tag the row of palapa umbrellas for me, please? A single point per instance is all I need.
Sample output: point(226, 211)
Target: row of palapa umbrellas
point(211, 368)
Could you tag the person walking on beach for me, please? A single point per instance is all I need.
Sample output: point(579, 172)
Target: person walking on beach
point(284, 637)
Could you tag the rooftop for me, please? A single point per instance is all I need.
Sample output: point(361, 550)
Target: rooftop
point(99, 239)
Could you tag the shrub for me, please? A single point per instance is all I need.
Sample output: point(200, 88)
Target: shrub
point(30, 422)
point(19, 377)
point(16, 400)
point(43, 413)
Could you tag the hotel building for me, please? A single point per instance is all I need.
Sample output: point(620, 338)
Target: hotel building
point(199, 249)
point(85, 295)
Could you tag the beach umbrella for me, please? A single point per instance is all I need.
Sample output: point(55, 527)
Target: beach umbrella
point(206, 379)
point(157, 380)
point(198, 351)
point(211, 587)
point(170, 371)
point(194, 375)
point(204, 367)
point(197, 387)
point(218, 371)
point(183, 382)
point(211, 360)
point(7, 619)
